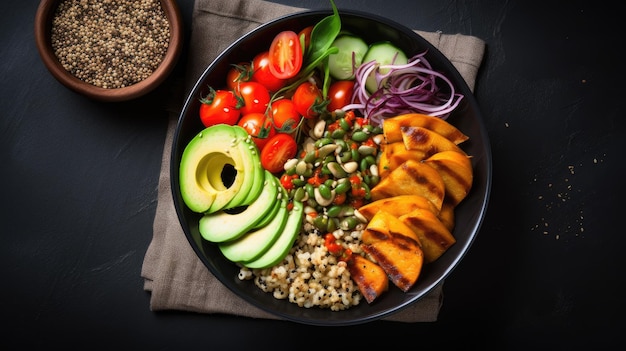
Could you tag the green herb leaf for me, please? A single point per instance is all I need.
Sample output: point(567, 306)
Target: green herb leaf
point(323, 35)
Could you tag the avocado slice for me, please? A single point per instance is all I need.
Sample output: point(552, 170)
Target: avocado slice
point(252, 164)
point(223, 226)
point(283, 194)
point(283, 244)
point(255, 242)
point(204, 185)
point(259, 180)
point(270, 215)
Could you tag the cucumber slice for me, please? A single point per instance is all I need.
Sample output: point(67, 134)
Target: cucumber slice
point(384, 53)
point(340, 64)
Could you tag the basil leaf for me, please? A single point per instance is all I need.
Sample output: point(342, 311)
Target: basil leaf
point(323, 34)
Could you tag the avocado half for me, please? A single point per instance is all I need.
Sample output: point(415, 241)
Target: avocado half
point(220, 169)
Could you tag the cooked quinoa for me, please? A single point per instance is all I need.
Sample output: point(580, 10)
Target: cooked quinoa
point(309, 275)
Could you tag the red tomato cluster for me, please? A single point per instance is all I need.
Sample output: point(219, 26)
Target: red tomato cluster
point(247, 99)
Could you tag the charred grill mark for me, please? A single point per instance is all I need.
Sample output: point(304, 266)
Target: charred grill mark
point(402, 283)
point(422, 179)
point(377, 234)
point(405, 242)
point(371, 278)
point(402, 243)
point(449, 171)
point(425, 228)
point(369, 293)
point(450, 133)
point(404, 124)
point(416, 135)
point(420, 137)
point(388, 266)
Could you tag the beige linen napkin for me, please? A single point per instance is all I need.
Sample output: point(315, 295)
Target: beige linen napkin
point(172, 272)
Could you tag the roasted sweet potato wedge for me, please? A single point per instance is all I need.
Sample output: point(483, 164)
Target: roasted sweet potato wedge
point(447, 214)
point(397, 205)
point(384, 226)
point(383, 163)
point(425, 140)
point(373, 234)
point(392, 127)
point(397, 153)
point(369, 277)
point(410, 178)
point(400, 257)
point(456, 171)
point(435, 238)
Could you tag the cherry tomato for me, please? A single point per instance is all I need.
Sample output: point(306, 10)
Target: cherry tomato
point(255, 97)
point(259, 127)
point(306, 35)
point(280, 148)
point(285, 55)
point(220, 106)
point(340, 94)
point(307, 97)
point(237, 74)
point(261, 72)
point(284, 115)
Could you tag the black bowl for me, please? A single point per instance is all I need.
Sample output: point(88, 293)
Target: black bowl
point(469, 213)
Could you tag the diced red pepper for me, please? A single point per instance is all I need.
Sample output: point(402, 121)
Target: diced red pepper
point(357, 202)
point(333, 126)
point(286, 181)
point(370, 142)
point(317, 178)
point(345, 255)
point(331, 244)
point(360, 121)
point(355, 180)
point(350, 117)
point(358, 192)
point(340, 199)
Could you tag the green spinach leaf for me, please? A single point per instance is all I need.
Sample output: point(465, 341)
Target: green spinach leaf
point(323, 35)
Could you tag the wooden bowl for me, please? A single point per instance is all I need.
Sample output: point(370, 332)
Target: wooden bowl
point(43, 29)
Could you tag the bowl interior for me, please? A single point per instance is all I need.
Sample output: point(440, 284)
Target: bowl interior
point(43, 27)
point(469, 213)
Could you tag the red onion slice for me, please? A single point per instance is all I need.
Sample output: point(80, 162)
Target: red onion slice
point(408, 88)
